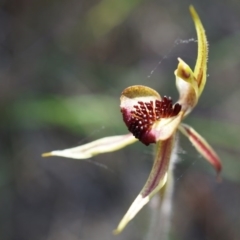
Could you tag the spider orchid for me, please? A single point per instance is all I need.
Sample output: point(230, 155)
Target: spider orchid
point(152, 119)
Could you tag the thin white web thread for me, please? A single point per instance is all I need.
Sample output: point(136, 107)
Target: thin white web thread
point(93, 133)
point(100, 165)
point(176, 43)
point(181, 151)
point(186, 170)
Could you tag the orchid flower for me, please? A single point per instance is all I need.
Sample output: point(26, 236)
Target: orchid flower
point(152, 119)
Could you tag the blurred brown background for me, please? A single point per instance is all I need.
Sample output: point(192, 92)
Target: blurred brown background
point(63, 65)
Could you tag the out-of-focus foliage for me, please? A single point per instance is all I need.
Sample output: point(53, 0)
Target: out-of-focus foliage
point(63, 65)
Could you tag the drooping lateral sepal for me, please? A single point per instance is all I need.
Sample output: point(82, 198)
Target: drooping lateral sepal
point(103, 145)
point(202, 146)
point(156, 180)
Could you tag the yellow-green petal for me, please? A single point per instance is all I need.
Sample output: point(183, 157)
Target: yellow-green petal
point(200, 70)
point(190, 83)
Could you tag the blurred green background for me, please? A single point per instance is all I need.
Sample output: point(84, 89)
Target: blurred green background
point(63, 66)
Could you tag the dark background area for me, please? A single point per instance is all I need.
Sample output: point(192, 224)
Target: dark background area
point(63, 66)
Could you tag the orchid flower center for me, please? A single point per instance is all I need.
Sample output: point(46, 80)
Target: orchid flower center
point(145, 114)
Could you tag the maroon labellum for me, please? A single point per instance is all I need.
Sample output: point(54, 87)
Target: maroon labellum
point(141, 117)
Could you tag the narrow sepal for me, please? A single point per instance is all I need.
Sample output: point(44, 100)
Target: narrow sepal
point(202, 146)
point(200, 70)
point(103, 145)
point(156, 180)
point(190, 83)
